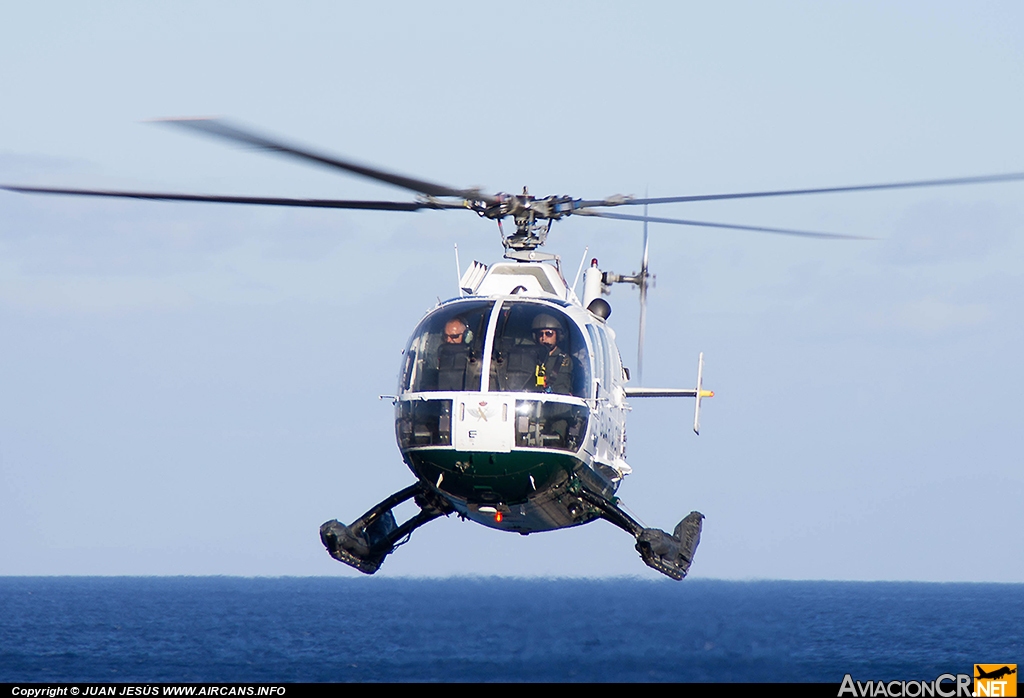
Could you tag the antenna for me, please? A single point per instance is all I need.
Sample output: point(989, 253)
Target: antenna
point(579, 271)
point(458, 268)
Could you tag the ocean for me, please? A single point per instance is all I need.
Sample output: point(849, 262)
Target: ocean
point(325, 629)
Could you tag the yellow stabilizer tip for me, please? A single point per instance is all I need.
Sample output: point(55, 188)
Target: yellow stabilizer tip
point(707, 393)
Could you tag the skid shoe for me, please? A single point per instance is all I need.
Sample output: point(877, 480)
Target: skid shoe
point(365, 542)
point(671, 554)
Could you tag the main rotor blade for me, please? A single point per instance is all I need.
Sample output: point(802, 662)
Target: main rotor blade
point(261, 200)
point(985, 179)
point(727, 226)
point(222, 129)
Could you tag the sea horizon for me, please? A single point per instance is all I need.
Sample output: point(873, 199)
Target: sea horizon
point(225, 628)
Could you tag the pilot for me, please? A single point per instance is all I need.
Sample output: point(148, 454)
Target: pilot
point(554, 366)
point(457, 365)
point(455, 331)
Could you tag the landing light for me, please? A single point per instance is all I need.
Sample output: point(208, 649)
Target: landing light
point(491, 510)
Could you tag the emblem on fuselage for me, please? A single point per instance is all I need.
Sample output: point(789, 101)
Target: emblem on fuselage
point(481, 411)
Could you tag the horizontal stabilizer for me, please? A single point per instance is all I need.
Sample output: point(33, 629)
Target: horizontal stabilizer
point(697, 392)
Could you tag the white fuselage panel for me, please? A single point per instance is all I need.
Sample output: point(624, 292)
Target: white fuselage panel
point(484, 422)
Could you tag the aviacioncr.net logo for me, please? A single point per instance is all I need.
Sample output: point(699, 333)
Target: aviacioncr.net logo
point(945, 686)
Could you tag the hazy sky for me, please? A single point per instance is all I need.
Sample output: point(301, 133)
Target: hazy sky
point(192, 388)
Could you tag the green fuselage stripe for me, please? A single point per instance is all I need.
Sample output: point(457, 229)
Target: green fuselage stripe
point(481, 477)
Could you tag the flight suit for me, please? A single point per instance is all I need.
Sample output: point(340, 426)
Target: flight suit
point(554, 373)
point(554, 370)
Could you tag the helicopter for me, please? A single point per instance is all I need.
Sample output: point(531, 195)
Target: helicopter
point(512, 398)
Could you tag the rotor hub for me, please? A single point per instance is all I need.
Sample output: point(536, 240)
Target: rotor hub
point(532, 216)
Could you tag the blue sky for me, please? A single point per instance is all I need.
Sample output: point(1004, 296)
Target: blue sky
point(192, 389)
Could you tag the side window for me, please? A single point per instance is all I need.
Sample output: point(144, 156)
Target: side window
point(612, 360)
point(605, 362)
point(597, 342)
point(446, 350)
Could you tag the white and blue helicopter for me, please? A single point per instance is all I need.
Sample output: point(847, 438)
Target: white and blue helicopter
point(512, 398)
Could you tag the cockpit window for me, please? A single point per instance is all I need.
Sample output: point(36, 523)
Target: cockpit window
point(537, 348)
point(445, 352)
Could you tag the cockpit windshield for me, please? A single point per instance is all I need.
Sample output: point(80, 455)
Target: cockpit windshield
point(446, 351)
point(537, 348)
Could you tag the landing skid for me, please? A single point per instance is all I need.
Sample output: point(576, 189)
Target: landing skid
point(365, 542)
point(669, 554)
